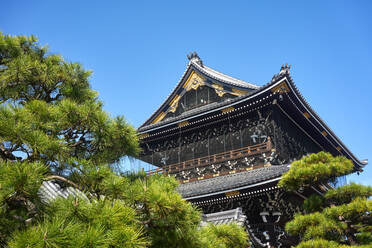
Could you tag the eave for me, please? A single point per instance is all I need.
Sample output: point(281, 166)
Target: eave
point(233, 182)
point(322, 128)
point(288, 100)
point(202, 111)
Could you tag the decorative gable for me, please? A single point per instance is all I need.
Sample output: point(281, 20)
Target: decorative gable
point(197, 91)
point(199, 86)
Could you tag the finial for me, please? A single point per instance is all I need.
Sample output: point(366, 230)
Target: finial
point(193, 56)
point(285, 69)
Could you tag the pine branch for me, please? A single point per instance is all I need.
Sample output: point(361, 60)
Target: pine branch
point(55, 177)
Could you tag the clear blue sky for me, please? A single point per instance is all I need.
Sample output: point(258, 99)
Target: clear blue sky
point(138, 49)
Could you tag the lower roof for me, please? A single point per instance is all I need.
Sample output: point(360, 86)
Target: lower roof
point(51, 190)
point(231, 182)
point(225, 217)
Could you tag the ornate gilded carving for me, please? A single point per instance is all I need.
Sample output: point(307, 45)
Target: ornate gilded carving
point(237, 92)
point(237, 134)
point(281, 88)
point(158, 118)
point(225, 110)
point(184, 123)
point(143, 135)
point(194, 81)
point(219, 89)
point(232, 193)
point(174, 104)
point(307, 115)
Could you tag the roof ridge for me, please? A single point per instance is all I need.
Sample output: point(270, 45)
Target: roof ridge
point(225, 78)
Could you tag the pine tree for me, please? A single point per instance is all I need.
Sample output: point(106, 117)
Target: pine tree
point(52, 127)
point(339, 218)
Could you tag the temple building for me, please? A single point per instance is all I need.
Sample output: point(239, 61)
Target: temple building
point(228, 142)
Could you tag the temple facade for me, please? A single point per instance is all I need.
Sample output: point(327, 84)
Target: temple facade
point(228, 142)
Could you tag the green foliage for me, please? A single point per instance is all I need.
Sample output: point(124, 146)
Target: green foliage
point(340, 218)
point(53, 233)
point(53, 127)
point(318, 167)
point(51, 123)
point(22, 180)
point(49, 113)
point(353, 212)
point(318, 243)
point(19, 184)
point(154, 216)
point(347, 193)
point(170, 220)
point(314, 203)
point(29, 73)
point(364, 237)
point(224, 236)
point(85, 224)
point(349, 223)
point(315, 225)
point(322, 243)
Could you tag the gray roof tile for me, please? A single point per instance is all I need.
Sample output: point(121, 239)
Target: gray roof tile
point(51, 190)
point(225, 217)
point(223, 77)
point(207, 71)
point(231, 181)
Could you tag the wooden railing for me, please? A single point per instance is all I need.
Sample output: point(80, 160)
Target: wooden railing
point(215, 158)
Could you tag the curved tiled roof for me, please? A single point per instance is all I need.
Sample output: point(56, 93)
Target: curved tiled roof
point(298, 102)
point(209, 107)
point(225, 217)
point(196, 64)
point(223, 77)
point(51, 190)
point(320, 121)
point(231, 181)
